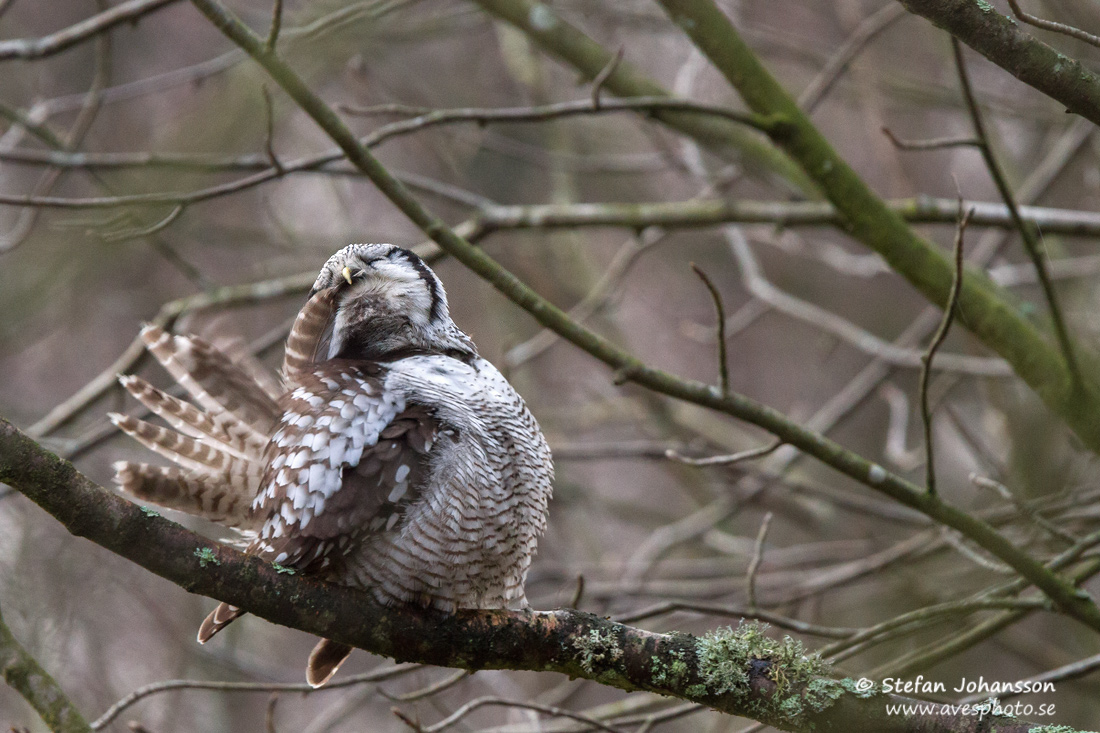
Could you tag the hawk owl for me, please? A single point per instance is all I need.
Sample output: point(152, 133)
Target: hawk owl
point(389, 457)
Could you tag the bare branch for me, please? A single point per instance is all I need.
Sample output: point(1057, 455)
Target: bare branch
point(720, 336)
point(838, 63)
point(23, 673)
point(1034, 247)
point(940, 143)
point(725, 460)
point(276, 26)
point(36, 48)
point(156, 688)
point(1052, 26)
point(424, 117)
point(604, 75)
point(757, 558)
point(473, 705)
point(937, 340)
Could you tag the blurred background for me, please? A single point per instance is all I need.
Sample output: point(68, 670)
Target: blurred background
point(167, 106)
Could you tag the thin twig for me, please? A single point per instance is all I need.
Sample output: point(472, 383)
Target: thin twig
point(428, 117)
point(269, 137)
point(604, 75)
point(774, 619)
point(867, 31)
point(578, 593)
point(269, 716)
point(36, 48)
point(937, 143)
point(1034, 246)
point(448, 681)
point(469, 707)
point(720, 336)
point(1068, 672)
point(1053, 26)
point(276, 26)
point(725, 460)
point(397, 129)
point(159, 687)
point(413, 723)
point(1001, 490)
point(937, 340)
point(752, 275)
point(136, 233)
point(757, 558)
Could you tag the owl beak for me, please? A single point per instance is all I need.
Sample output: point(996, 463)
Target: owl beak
point(346, 272)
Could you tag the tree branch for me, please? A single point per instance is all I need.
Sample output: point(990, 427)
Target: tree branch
point(1004, 42)
point(36, 48)
point(25, 675)
point(733, 671)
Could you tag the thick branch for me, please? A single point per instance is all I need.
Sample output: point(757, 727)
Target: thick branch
point(25, 675)
point(1004, 42)
point(730, 671)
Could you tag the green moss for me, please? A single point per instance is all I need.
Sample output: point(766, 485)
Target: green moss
point(282, 569)
point(822, 692)
point(696, 691)
point(724, 656)
point(597, 647)
point(148, 512)
point(671, 673)
point(206, 556)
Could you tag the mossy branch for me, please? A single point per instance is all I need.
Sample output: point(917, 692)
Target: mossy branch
point(1008, 44)
point(25, 675)
point(739, 671)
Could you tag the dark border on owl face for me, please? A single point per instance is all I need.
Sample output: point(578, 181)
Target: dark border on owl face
point(427, 276)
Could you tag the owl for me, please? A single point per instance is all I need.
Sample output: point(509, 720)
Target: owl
point(389, 456)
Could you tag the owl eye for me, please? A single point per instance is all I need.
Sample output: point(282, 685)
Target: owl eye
point(351, 275)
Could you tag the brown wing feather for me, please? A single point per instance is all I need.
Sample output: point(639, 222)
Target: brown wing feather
point(306, 336)
point(374, 485)
point(217, 384)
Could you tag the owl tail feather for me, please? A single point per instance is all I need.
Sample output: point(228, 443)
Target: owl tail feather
point(218, 619)
point(324, 660)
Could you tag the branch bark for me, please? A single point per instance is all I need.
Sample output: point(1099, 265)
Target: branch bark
point(1004, 42)
point(36, 48)
point(25, 675)
point(733, 671)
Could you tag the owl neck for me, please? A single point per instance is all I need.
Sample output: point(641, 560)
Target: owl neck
point(374, 341)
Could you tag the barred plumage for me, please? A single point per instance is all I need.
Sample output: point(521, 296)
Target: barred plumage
point(395, 459)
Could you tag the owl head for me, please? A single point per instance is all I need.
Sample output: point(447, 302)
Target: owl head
point(389, 304)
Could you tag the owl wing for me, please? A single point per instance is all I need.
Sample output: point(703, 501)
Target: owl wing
point(347, 458)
